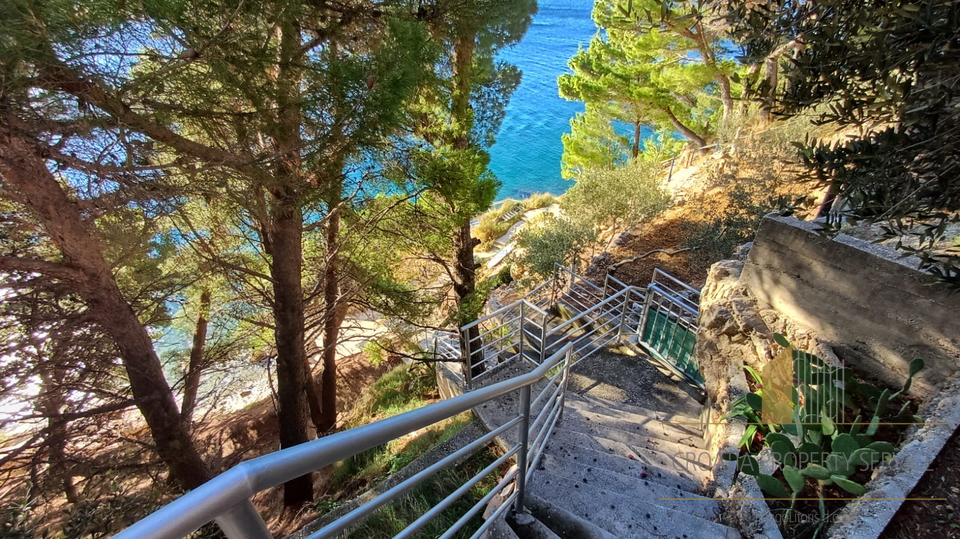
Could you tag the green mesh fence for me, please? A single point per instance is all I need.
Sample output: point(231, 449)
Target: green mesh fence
point(672, 341)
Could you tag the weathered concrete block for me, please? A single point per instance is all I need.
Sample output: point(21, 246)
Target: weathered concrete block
point(877, 308)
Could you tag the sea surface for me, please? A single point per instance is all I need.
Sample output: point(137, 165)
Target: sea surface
point(526, 156)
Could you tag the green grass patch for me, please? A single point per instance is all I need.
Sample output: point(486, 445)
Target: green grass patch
point(495, 223)
point(539, 200)
point(401, 390)
point(394, 517)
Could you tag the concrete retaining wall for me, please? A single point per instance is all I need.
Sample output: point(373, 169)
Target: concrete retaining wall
point(876, 308)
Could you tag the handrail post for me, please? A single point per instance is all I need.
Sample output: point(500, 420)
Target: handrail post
point(643, 317)
point(623, 316)
point(520, 319)
point(524, 442)
point(566, 377)
point(467, 358)
point(243, 522)
point(543, 339)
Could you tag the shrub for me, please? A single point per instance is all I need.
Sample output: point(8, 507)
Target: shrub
point(488, 229)
point(616, 197)
point(539, 200)
point(552, 240)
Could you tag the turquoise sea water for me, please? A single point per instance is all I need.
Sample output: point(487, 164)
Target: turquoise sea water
point(526, 156)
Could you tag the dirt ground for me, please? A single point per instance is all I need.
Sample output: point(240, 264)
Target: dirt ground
point(656, 240)
point(121, 450)
point(932, 519)
point(234, 437)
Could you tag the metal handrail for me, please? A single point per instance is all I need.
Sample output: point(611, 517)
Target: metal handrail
point(570, 321)
point(575, 277)
point(657, 272)
point(616, 281)
point(226, 497)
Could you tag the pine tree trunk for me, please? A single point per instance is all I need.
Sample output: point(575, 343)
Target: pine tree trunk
point(331, 321)
point(29, 181)
point(285, 232)
point(289, 332)
point(684, 130)
point(637, 128)
point(770, 89)
point(462, 82)
point(52, 406)
point(465, 273)
point(313, 398)
point(726, 94)
point(465, 270)
point(191, 383)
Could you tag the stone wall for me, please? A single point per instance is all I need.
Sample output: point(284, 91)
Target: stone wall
point(842, 299)
point(875, 308)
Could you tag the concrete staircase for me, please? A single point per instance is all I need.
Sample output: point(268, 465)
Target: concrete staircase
point(615, 469)
point(627, 459)
point(629, 471)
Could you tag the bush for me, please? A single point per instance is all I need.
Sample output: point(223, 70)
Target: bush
point(539, 200)
point(618, 196)
point(489, 229)
point(552, 240)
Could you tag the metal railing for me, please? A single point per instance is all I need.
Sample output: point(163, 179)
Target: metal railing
point(515, 331)
point(668, 325)
point(446, 346)
point(597, 316)
point(523, 331)
point(225, 499)
point(675, 287)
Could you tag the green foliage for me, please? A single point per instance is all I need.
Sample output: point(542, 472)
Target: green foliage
point(627, 195)
point(592, 142)
point(718, 235)
point(374, 351)
point(472, 305)
point(888, 73)
point(817, 445)
point(113, 509)
point(550, 241)
point(394, 517)
point(495, 223)
point(539, 200)
point(401, 390)
point(16, 520)
point(651, 64)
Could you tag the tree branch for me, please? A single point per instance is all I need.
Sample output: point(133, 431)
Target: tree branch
point(614, 266)
point(43, 267)
point(53, 74)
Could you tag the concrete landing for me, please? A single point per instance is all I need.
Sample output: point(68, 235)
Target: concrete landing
point(626, 375)
point(624, 515)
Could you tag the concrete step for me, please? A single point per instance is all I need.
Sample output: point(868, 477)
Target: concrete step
point(499, 530)
point(527, 526)
point(563, 522)
point(623, 515)
point(688, 420)
point(633, 423)
point(633, 486)
point(658, 467)
point(640, 442)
